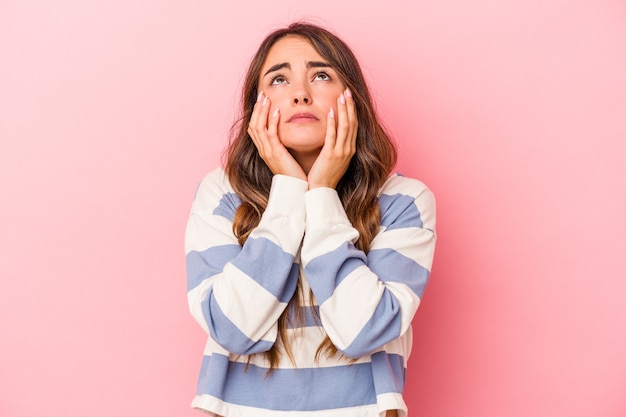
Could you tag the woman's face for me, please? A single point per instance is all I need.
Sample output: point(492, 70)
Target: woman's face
point(299, 82)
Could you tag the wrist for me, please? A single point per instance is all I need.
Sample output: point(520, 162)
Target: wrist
point(313, 185)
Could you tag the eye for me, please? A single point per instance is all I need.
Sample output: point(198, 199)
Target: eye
point(321, 76)
point(278, 79)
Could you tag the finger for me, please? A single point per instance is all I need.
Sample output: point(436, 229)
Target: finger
point(261, 122)
point(258, 123)
point(272, 125)
point(351, 109)
point(254, 117)
point(331, 129)
point(353, 122)
point(342, 121)
point(269, 145)
point(255, 109)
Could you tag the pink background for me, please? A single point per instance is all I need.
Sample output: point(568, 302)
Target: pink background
point(513, 112)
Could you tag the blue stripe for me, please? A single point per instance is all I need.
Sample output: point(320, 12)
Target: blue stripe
point(228, 206)
point(327, 271)
point(392, 266)
point(300, 389)
point(399, 211)
point(213, 375)
point(309, 314)
point(389, 372)
point(224, 331)
point(206, 263)
point(384, 326)
point(271, 267)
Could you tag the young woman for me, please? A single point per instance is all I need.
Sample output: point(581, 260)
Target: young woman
point(306, 259)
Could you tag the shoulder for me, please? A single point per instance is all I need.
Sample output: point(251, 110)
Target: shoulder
point(400, 195)
point(216, 181)
point(215, 178)
point(397, 184)
point(215, 191)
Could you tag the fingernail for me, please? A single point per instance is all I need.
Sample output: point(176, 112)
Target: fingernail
point(259, 96)
point(342, 99)
point(264, 101)
point(275, 114)
point(348, 92)
point(332, 113)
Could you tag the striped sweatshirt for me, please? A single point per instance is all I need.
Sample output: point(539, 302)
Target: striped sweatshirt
point(363, 302)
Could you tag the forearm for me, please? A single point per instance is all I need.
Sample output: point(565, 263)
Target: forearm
point(238, 292)
point(367, 300)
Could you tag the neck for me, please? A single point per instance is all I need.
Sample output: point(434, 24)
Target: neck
point(305, 159)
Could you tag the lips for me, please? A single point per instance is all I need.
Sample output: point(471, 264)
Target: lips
point(302, 118)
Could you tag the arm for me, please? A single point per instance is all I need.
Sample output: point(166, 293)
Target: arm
point(237, 293)
point(369, 300)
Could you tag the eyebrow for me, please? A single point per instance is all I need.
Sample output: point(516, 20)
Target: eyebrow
point(310, 64)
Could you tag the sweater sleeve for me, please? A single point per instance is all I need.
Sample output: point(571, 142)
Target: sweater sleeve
point(237, 293)
point(368, 300)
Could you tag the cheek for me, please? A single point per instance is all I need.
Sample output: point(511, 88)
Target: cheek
point(331, 101)
point(277, 106)
point(276, 99)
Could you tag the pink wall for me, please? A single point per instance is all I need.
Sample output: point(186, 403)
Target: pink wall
point(513, 112)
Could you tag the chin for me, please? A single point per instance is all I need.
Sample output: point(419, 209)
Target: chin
point(301, 150)
point(302, 138)
point(303, 144)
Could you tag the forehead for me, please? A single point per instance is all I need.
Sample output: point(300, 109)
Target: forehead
point(291, 49)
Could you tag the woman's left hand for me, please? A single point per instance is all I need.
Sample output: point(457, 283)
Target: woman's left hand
point(339, 144)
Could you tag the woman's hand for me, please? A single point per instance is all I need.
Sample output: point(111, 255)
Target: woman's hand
point(263, 129)
point(339, 145)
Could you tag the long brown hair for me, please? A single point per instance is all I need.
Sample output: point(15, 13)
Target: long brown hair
point(369, 168)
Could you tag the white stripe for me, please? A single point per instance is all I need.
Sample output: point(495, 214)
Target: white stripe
point(327, 226)
point(285, 232)
point(344, 322)
point(252, 308)
point(304, 344)
point(412, 242)
point(391, 401)
point(205, 232)
point(402, 185)
point(409, 302)
point(208, 402)
point(212, 347)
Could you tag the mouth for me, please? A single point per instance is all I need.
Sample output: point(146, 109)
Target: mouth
point(302, 118)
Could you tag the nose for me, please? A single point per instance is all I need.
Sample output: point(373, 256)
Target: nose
point(304, 99)
point(301, 94)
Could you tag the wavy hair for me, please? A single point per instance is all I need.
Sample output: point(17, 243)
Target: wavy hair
point(358, 189)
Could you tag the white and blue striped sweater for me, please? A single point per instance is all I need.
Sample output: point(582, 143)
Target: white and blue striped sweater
point(365, 303)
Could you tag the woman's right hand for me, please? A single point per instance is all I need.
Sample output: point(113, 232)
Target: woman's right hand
point(263, 129)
